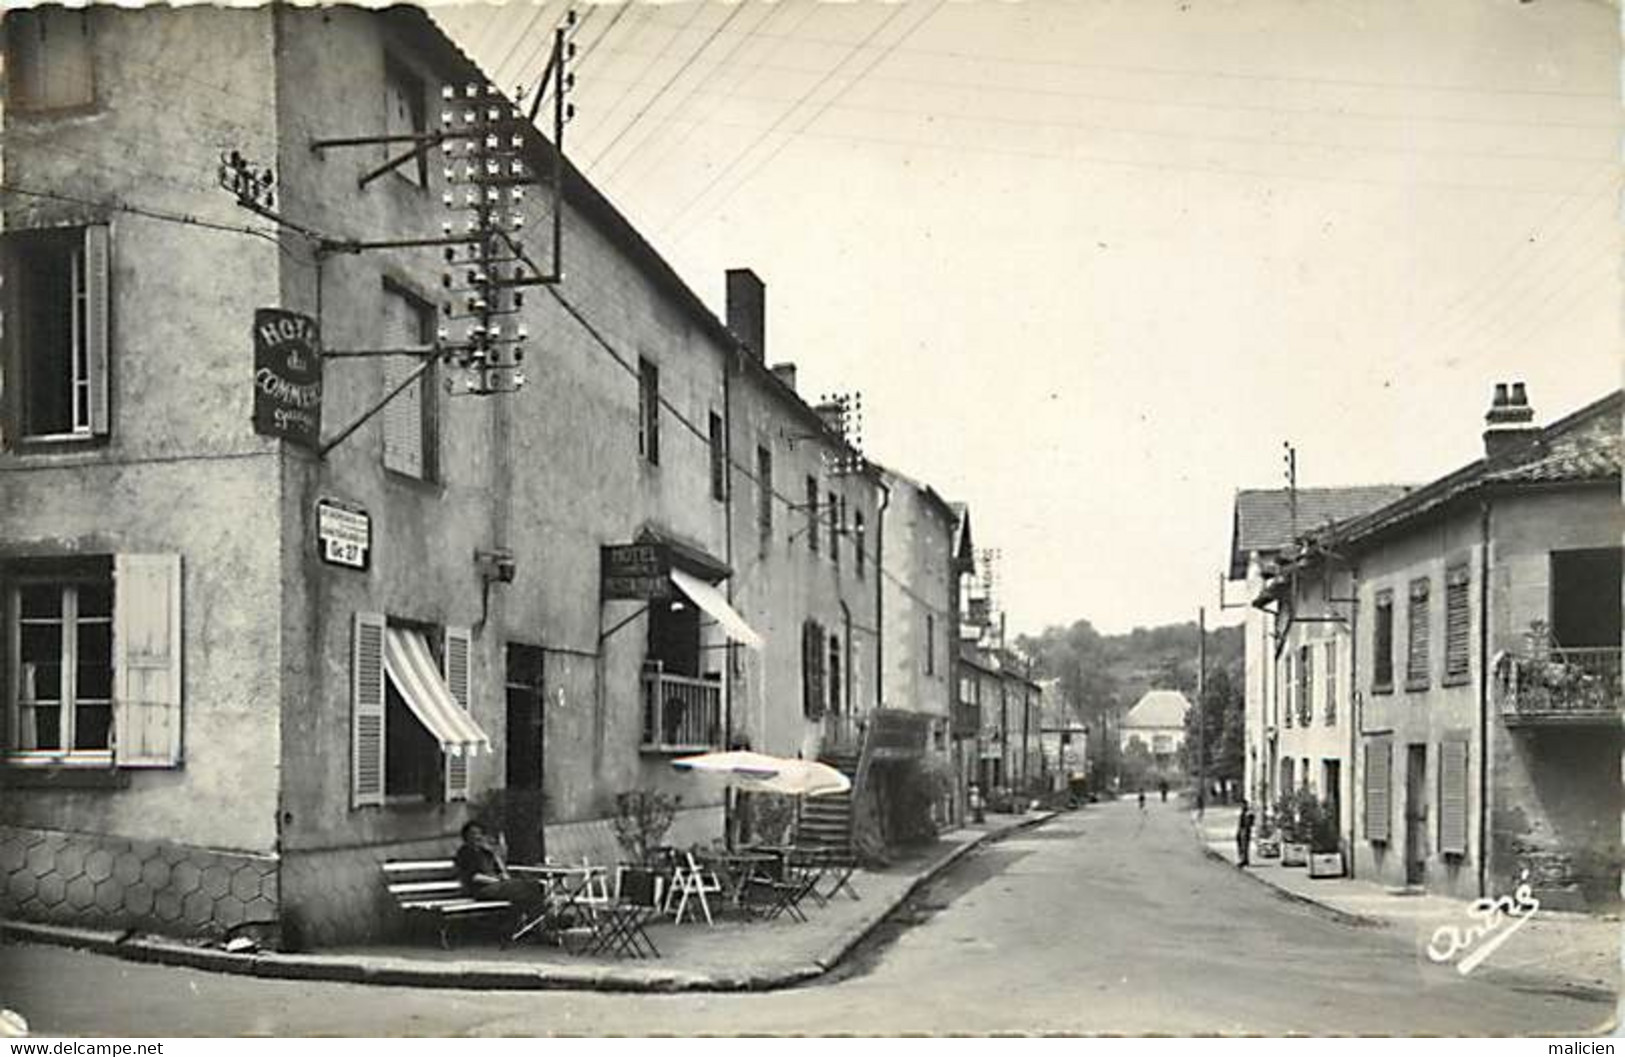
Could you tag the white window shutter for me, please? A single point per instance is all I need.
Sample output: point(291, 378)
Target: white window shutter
point(367, 711)
point(1378, 781)
point(1453, 796)
point(98, 300)
point(459, 678)
point(147, 660)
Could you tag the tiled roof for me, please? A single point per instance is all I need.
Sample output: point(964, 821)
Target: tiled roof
point(1264, 522)
point(1158, 708)
point(1583, 446)
point(1587, 451)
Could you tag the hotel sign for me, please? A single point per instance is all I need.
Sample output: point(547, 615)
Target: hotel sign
point(636, 570)
point(287, 377)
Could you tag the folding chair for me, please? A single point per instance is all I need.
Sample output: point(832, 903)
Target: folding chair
point(780, 892)
point(693, 881)
point(619, 925)
point(841, 866)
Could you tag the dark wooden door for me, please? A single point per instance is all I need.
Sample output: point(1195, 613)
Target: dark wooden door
point(1416, 814)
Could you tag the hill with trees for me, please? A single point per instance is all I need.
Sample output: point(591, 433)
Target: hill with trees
point(1102, 676)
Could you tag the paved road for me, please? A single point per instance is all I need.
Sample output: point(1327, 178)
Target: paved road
point(1109, 920)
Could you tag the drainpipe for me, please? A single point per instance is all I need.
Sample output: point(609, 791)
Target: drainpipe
point(1356, 707)
point(880, 591)
point(1483, 696)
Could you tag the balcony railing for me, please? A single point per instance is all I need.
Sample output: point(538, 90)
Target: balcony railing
point(1561, 686)
point(680, 714)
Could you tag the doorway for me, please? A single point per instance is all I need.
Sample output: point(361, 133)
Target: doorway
point(526, 731)
point(1416, 814)
point(1331, 786)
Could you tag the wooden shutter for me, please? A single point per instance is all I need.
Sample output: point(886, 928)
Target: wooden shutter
point(147, 660)
point(1382, 645)
point(98, 301)
point(1453, 796)
point(367, 711)
point(459, 647)
point(1457, 623)
point(1418, 664)
point(403, 419)
point(1378, 783)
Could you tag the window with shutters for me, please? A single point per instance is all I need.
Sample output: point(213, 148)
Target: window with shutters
point(411, 434)
point(1378, 789)
point(1291, 690)
point(1457, 626)
point(812, 514)
point(55, 308)
point(49, 60)
point(836, 701)
point(395, 757)
point(93, 661)
point(859, 538)
point(930, 644)
point(1453, 796)
point(1331, 683)
point(405, 114)
point(812, 669)
point(1417, 636)
point(1306, 685)
point(719, 458)
point(649, 411)
point(1382, 644)
point(832, 514)
point(764, 497)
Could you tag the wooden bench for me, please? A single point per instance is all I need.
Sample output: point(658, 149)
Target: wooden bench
point(430, 888)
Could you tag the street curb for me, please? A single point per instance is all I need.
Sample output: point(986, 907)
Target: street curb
point(482, 976)
point(1346, 917)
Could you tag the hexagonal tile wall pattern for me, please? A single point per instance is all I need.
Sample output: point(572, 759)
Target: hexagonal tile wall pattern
point(105, 882)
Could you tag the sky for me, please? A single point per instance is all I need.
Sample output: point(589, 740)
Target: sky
point(1092, 263)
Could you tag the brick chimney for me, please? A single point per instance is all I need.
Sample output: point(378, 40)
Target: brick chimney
point(1510, 423)
point(786, 373)
point(747, 310)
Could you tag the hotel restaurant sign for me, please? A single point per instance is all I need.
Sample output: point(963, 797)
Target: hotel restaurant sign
point(287, 377)
point(636, 570)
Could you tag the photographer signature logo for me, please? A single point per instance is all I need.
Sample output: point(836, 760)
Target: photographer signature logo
point(1497, 920)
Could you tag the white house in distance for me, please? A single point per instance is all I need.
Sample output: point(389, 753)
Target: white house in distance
point(1158, 722)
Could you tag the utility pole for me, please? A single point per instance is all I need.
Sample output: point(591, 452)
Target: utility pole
point(1201, 711)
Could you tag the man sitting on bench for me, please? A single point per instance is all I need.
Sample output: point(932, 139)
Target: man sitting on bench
point(484, 874)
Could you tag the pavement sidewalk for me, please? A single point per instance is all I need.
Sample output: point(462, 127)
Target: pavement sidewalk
point(1569, 952)
point(733, 955)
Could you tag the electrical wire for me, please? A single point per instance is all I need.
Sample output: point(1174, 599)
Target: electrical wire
point(703, 434)
point(650, 102)
point(723, 174)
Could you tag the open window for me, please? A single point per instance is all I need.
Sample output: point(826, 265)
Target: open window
point(56, 333)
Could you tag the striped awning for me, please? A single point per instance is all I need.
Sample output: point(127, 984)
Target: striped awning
point(412, 670)
point(712, 601)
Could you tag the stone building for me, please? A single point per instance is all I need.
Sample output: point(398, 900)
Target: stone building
point(1483, 611)
point(241, 671)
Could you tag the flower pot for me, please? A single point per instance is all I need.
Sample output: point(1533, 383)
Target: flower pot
point(1326, 864)
point(1294, 854)
point(1267, 848)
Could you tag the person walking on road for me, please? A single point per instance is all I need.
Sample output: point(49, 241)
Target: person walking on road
point(1244, 833)
point(1162, 787)
point(1142, 799)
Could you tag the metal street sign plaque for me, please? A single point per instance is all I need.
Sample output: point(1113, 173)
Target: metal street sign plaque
point(344, 534)
point(636, 570)
point(287, 377)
